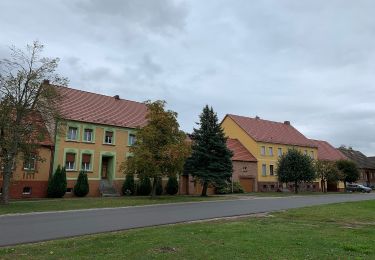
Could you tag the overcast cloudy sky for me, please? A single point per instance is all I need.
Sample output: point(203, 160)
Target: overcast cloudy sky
point(311, 62)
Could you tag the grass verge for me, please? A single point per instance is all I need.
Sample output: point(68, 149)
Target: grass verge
point(336, 231)
point(26, 206)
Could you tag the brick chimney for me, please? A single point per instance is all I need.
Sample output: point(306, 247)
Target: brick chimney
point(117, 97)
point(287, 122)
point(257, 117)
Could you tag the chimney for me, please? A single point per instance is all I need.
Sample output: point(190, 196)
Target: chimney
point(117, 97)
point(287, 122)
point(257, 117)
point(45, 82)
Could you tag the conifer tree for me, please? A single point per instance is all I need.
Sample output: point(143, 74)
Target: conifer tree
point(128, 188)
point(81, 189)
point(210, 162)
point(57, 183)
point(172, 185)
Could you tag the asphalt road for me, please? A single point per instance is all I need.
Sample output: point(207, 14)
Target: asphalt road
point(33, 227)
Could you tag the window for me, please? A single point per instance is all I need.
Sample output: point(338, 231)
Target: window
point(263, 150)
point(26, 191)
point(108, 137)
point(312, 154)
point(264, 170)
point(72, 133)
point(87, 135)
point(132, 139)
point(70, 161)
point(244, 169)
point(271, 170)
point(280, 152)
point(86, 162)
point(270, 151)
point(272, 186)
point(69, 190)
point(29, 163)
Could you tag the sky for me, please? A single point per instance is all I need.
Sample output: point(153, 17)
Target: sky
point(310, 62)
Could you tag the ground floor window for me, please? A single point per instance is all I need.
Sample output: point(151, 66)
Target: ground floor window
point(26, 191)
point(70, 161)
point(86, 162)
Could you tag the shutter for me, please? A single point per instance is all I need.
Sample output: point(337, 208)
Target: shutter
point(70, 157)
point(86, 158)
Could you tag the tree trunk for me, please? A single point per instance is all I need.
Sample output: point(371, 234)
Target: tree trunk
point(6, 182)
point(204, 189)
point(153, 191)
point(344, 186)
point(296, 187)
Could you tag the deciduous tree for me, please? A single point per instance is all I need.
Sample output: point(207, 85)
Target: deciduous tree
point(23, 100)
point(160, 148)
point(349, 171)
point(295, 167)
point(327, 172)
point(211, 160)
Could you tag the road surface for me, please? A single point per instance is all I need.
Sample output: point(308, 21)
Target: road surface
point(34, 227)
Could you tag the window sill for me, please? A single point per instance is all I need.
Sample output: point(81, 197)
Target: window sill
point(73, 141)
point(87, 171)
point(70, 170)
point(88, 142)
point(109, 144)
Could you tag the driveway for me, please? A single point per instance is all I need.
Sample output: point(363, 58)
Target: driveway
point(33, 227)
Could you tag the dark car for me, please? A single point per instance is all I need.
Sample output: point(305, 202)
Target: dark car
point(357, 187)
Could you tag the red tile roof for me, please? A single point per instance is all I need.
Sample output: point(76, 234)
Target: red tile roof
point(240, 153)
point(327, 152)
point(271, 132)
point(95, 108)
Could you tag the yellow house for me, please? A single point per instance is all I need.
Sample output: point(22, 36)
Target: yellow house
point(267, 141)
point(95, 135)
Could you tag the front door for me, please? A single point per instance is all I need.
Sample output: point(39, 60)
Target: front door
point(104, 167)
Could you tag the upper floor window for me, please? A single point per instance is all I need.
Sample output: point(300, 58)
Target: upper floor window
point(86, 162)
point(29, 163)
point(88, 135)
point(244, 168)
point(264, 170)
point(70, 161)
point(263, 150)
point(271, 170)
point(270, 151)
point(108, 138)
point(72, 133)
point(132, 139)
point(280, 152)
point(312, 154)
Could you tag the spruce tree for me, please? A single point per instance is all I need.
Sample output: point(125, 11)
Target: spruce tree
point(210, 161)
point(57, 183)
point(144, 186)
point(81, 189)
point(172, 185)
point(159, 186)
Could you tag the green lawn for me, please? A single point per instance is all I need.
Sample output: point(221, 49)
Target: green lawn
point(337, 231)
point(87, 203)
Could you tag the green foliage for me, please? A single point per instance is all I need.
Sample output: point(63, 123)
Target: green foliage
point(81, 189)
point(159, 186)
point(144, 186)
point(128, 187)
point(295, 167)
point(327, 172)
point(227, 188)
point(210, 161)
point(172, 185)
point(160, 149)
point(349, 170)
point(57, 183)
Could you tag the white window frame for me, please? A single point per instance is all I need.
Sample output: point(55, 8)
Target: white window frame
point(26, 193)
point(264, 169)
point(86, 166)
point(280, 152)
point(312, 154)
point(70, 133)
point(132, 139)
point(262, 150)
point(270, 151)
point(28, 163)
point(109, 138)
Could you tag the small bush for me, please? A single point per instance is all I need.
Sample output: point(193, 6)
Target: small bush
point(172, 185)
point(144, 186)
point(159, 187)
point(57, 183)
point(81, 189)
point(128, 188)
point(227, 188)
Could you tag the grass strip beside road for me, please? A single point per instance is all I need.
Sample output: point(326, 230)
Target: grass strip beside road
point(27, 206)
point(335, 231)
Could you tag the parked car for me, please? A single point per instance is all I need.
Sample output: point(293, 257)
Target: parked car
point(357, 187)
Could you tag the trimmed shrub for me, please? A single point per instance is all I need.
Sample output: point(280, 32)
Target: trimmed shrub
point(172, 185)
point(144, 186)
point(128, 188)
point(227, 188)
point(57, 183)
point(81, 189)
point(159, 186)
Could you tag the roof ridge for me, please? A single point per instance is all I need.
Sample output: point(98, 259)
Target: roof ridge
point(99, 94)
point(260, 119)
